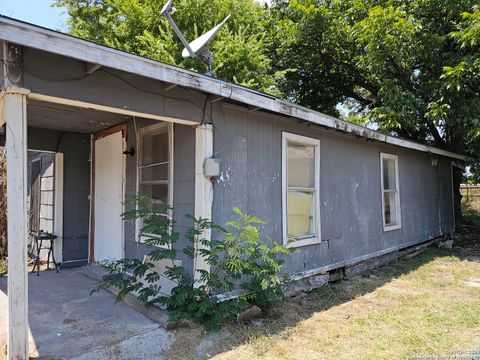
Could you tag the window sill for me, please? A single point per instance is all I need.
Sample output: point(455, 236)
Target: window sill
point(303, 242)
point(391, 227)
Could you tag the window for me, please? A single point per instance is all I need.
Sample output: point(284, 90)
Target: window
point(155, 164)
point(301, 210)
point(390, 192)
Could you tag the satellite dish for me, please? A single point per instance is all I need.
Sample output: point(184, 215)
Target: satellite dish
point(199, 43)
point(198, 47)
point(166, 7)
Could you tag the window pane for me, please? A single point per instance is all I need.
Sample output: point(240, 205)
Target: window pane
point(301, 165)
point(157, 193)
point(389, 177)
point(390, 207)
point(300, 214)
point(155, 147)
point(157, 172)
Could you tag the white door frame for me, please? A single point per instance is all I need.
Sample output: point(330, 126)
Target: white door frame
point(58, 206)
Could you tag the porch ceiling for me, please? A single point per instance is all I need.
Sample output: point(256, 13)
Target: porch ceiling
point(70, 118)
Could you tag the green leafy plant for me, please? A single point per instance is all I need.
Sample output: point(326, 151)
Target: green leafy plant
point(236, 256)
point(134, 275)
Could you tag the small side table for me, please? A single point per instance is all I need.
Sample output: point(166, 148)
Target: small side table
point(44, 241)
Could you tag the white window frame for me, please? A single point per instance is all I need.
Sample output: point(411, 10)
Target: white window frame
point(398, 225)
point(305, 241)
point(141, 132)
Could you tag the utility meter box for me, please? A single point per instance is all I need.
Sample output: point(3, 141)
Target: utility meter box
point(211, 167)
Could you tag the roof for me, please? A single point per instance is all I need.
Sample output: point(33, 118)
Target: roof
point(33, 36)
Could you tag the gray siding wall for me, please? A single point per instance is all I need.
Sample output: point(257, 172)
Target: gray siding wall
point(47, 190)
point(183, 185)
point(76, 150)
point(250, 148)
point(76, 186)
point(67, 79)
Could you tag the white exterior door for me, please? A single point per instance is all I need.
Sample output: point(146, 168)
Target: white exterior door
point(109, 178)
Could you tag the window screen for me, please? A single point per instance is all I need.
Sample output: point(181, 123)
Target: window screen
point(154, 166)
point(301, 189)
point(391, 205)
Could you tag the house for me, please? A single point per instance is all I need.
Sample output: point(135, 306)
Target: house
point(116, 124)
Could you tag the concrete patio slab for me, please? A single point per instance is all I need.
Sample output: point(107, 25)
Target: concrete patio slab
point(67, 323)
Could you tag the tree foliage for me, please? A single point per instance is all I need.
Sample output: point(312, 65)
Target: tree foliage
point(136, 26)
point(411, 67)
point(407, 67)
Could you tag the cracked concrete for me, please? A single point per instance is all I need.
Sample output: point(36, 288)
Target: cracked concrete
point(67, 323)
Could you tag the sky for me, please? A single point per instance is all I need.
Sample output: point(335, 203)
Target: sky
point(38, 12)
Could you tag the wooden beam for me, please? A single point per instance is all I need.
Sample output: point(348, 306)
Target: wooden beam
point(203, 192)
point(91, 234)
point(15, 117)
point(87, 105)
point(12, 54)
point(216, 99)
point(58, 206)
point(111, 130)
point(91, 68)
point(169, 87)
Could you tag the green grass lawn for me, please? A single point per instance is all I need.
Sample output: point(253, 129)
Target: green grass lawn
point(428, 305)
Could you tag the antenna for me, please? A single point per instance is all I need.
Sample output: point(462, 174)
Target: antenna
point(199, 46)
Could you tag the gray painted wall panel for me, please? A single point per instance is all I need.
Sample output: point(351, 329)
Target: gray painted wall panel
point(76, 203)
point(76, 149)
point(107, 87)
point(249, 146)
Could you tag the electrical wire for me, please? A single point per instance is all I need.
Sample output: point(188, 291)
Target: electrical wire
point(112, 74)
point(204, 111)
point(148, 91)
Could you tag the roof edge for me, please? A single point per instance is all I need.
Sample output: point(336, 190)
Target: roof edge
point(41, 38)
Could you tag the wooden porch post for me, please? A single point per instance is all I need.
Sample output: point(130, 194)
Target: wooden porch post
point(15, 116)
point(203, 189)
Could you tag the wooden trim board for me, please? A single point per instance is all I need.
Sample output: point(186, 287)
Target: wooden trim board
point(15, 116)
point(203, 192)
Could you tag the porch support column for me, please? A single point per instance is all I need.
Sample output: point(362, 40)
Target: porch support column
point(203, 191)
point(15, 116)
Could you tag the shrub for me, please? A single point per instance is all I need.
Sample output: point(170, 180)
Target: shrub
point(236, 255)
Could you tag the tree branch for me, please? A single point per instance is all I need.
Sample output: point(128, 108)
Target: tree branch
point(352, 94)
